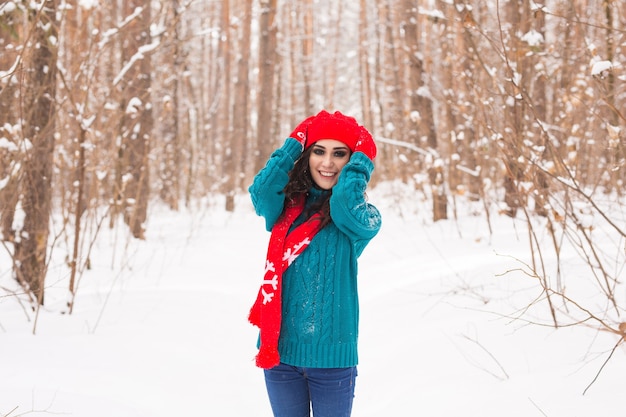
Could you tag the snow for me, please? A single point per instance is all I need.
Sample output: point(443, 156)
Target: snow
point(7, 145)
point(599, 67)
point(159, 326)
point(8, 7)
point(533, 38)
point(88, 4)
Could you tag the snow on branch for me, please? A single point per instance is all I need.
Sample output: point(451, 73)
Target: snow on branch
point(9, 73)
point(106, 36)
point(138, 56)
point(600, 68)
point(407, 145)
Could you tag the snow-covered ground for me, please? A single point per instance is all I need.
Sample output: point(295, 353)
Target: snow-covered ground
point(160, 326)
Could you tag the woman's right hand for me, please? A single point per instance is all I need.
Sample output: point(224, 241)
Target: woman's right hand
point(300, 132)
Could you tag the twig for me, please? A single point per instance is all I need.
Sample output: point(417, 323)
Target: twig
point(506, 376)
point(12, 293)
point(595, 378)
point(7, 415)
point(537, 407)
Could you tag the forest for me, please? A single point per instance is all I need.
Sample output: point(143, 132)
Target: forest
point(109, 108)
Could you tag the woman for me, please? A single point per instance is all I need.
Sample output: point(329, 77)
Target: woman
point(312, 195)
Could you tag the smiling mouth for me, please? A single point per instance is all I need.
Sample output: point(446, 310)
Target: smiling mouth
point(327, 174)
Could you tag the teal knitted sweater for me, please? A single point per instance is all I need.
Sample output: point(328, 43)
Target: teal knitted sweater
point(320, 308)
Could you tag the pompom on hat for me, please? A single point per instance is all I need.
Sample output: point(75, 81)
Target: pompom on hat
point(343, 128)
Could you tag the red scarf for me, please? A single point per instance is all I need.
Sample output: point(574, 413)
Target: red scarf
point(283, 249)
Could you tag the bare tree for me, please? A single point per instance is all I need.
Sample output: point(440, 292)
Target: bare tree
point(390, 92)
point(11, 34)
point(233, 164)
point(462, 70)
point(365, 44)
point(306, 64)
point(135, 129)
point(616, 150)
point(168, 106)
point(420, 125)
point(38, 112)
point(267, 64)
point(222, 118)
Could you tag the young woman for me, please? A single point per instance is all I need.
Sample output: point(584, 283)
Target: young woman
point(312, 195)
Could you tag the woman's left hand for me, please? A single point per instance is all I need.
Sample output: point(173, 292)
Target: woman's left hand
point(366, 144)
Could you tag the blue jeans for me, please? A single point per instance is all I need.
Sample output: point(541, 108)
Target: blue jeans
point(293, 391)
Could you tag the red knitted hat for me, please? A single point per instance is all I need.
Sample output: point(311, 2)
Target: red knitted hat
point(333, 126)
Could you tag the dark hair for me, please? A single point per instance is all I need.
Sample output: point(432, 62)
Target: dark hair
point(300, 182)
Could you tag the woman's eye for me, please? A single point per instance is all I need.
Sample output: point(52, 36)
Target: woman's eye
point(318, 151)
point(340, 154)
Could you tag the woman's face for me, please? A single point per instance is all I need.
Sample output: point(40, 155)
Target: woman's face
point(327, 159)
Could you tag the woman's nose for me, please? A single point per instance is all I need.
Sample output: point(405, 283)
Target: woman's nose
point(328, 160)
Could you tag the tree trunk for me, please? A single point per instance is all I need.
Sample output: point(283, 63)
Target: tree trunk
point(136, 124)
point(391, 89)
point(540, 112)
point(169, 167)
point(39, 113)
point(223, 120)
point(10, 157)
point(240, 108)
point(332, 70)
point(514, 113)
point(462, 112)
point(616, 153)
point(365, 44)
point(306, 66)
point(267, 63)
point(421, 120)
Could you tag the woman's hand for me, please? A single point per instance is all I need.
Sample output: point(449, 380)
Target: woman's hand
point(300, 132)
point(366, 144)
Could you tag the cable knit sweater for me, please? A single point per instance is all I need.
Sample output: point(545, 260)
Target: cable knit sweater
point(320, 308)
